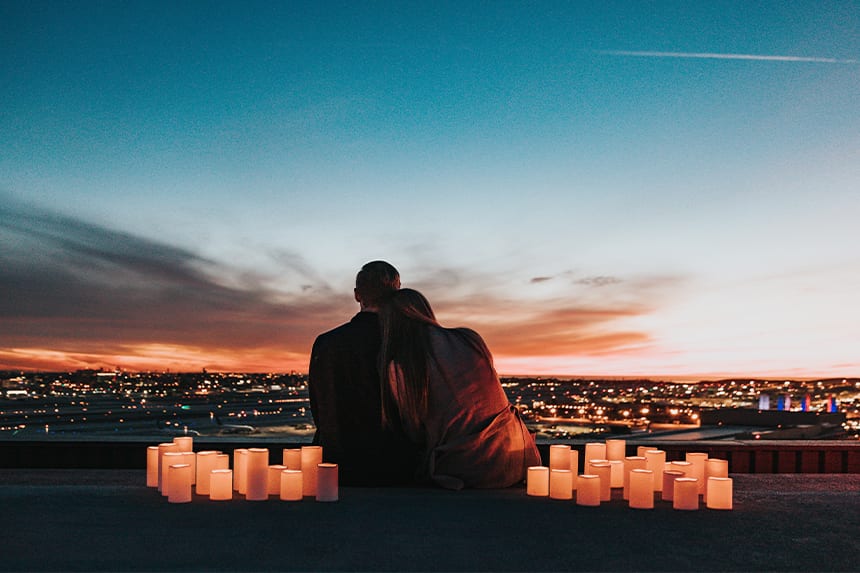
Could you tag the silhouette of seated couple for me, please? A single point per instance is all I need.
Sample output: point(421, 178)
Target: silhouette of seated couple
point(399, 399)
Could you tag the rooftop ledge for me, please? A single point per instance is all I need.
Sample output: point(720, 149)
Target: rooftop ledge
point(108, 520)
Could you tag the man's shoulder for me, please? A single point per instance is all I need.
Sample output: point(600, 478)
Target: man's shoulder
point(357, 327)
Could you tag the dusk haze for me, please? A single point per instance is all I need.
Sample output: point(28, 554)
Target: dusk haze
point(615, 189)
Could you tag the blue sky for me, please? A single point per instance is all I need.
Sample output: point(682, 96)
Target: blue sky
point(597, 188)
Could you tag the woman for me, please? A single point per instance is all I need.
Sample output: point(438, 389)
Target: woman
point(440, 387)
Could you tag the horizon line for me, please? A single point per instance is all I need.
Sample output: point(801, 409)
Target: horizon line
point(721, 56)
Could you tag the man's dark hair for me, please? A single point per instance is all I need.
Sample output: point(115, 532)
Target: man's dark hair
point(375, 281)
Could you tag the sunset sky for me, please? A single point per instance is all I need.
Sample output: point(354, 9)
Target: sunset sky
point(598, 188)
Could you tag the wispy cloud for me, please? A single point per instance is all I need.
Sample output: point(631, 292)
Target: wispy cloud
point(718, 56)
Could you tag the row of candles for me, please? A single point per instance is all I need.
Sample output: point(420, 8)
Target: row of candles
point(641, 476)
point(174, 468)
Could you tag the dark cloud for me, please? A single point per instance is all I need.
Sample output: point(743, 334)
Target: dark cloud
point(537, 280)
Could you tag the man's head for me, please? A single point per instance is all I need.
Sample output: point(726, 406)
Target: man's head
point(375, 281)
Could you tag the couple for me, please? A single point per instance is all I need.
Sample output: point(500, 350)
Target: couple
point(397, 398)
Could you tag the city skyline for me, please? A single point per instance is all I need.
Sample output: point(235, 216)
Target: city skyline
point(621, 190)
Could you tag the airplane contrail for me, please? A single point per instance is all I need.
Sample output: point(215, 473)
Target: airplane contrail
point(712, 56)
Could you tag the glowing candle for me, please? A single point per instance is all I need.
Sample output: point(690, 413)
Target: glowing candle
point(326, 482)
point(588, 490)
point(642, 489)
point(684, 467)
point(714, 468)
point(698, 468)
point(257, 471)
point(594, 451)
point(205, 465)
point(669, 477)
point(655, 460)
point(275, 479)
point(574, 465)
point(190, 458)
point(616, 449)
point(603, 470)
point(631, 463)
point(312, 456)
point(640, 450)
point(221, 485)
point(617, 477)
point(559, 457)
point(185, 443)
point(179, 483)
point(559, 484)
point(686, 495)
point(152, 466)
point(168, 459)
point(719, 493)
point(537, 481)
point(163, 449)
point(291, 485)
point(240, 458)
point(292, 458)
point(222, 462)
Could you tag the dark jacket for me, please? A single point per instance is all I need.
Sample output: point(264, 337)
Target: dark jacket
point(344, 386)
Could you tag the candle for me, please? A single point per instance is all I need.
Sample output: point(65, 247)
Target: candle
point(574, 465)
point(185, 443)
point(669, 477)
point(275, 479)
point(167, 460)
point(686, 495)
point(537, 481)
point(291, 485)
point(642, 489)
point(326, 482)
point(719, 493)
point(617, 477)
point(714, 468)
point(559, 484)
point(594, 451)
point(698, 468)
point(239, 461)
point(559, 457)
point(179, 483)
point(312, 456)
point(588, 490)
point(190, 458)
point(655, 460)
point(221, 485)
point(640, 450)
point(292, 458)
point(152, 466)
point(603, 470)
point(222, 462)
point(631, 463)
point(163, 449)
point(257, 471)
point(616, 449)
point(205, 465)
point(683, 467)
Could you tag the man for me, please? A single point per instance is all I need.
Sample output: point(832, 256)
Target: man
point(344, 386)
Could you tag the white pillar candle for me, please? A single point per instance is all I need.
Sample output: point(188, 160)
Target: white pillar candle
point(312, 456)
point(698, 468)
point(537, 481)
point(714, 468)
point(588, 490)
point(669, 477)
point(163, 449)
point(642, 489)
point(240, 459)
point(640, 450)
point(179, 483)
point(686, 495)
point(292, 458)
point(185, 443)
point(222, 462)
point(257, 471)
point(616, 449)
point(602, 469)
point(574, 465)
point(594, 451)
point(168, 459)
point(326, 482)
point(559, 457)
point(655, 460)
point(685, 468)
point(221, 485)
point(719, 493)
point(190, 458)
point(631, 463)
point(617, 477)
point(559, 484)
point(275, 479)
point(291, 485)
point(205, 465)
point(152, 466)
